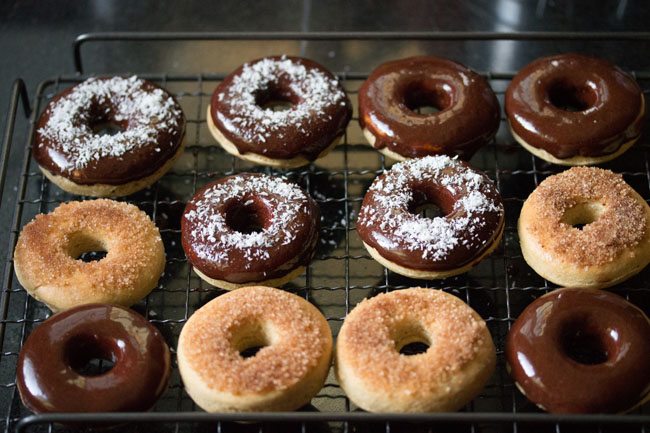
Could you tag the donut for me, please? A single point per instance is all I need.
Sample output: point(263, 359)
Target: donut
point(109, 136)
point(250, 228)
point(378, 378)
point(572, 109)
point(244, 119)
point(467, 116)
point(581, 351)
point(585, 227)
point(222, 374)
point(47, 263)
point(52, 371)
point(469, 228)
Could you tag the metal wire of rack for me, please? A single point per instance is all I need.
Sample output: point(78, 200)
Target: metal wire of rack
point(341, 274)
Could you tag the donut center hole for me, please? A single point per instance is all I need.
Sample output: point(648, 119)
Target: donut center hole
point(251, 340)
point(86, 248)
point(275, 99)
point(569, 97)
point(583, 214)
point(89, 356)
point(427, 98)
point(410, 338)
point(245, 217)
point(583, 341)
point(430, 202)
point(106, 128)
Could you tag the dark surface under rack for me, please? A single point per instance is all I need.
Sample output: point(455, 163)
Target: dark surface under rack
point(341, 274)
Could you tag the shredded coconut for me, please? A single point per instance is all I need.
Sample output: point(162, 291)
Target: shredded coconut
point(214, 240)
point(435, 238)
point(315, 89)
point(147, 110)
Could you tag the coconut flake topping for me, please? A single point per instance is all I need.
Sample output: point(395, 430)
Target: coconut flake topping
point(315, 89)
point(148, 111)
point(435, 238)
point(213, 240)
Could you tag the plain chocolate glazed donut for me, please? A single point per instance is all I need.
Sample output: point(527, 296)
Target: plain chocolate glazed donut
point(581, 351)
point(468, 114)
point(250, 228)
point(49, 363)
point(573, 109)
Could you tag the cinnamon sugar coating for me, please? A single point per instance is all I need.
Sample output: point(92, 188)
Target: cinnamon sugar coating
point(620, 223)
point(48, 247)
point(294, 334)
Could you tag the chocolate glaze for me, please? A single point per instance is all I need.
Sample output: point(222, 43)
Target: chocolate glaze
point(469, 110)
point(470, 244)
point(46, 376)
point(112, 170)
point(285, 141)
point(610, 103)
point(276, 259)
point(545, 351)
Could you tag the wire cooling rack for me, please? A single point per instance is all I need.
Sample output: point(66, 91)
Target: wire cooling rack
point(342, 273)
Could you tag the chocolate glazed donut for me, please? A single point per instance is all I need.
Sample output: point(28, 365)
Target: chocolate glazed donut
point(572, 109)
point(468, 115)
point(49, 372)
point(581, 351)
point(250, 228)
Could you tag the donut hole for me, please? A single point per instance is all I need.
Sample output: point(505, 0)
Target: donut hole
point(427, 201)
point(410, 339)
point(90, 355)
point(275, 98)
point(426, 98)
point(569, 97)
point(583, 214)
point(106, 128)
point(85, 247)
point(250, 340)
point(585, 342)
point(246, 216)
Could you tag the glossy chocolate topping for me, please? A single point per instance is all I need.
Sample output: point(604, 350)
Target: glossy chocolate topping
point(468, 115)
point(470, 204)
point(249, 228)
point(571, 105)
point(581, 351)
point(319, 108)
point(147, 124)
point(47, 373)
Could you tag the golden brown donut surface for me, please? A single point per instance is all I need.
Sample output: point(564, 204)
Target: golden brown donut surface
point(286, 372)
point(581, 351)
point(319, 108)
point(378, 378)
point(613, 243)
point(148, 122)
point(46, 255)
point(468, 114)
point(574, 105)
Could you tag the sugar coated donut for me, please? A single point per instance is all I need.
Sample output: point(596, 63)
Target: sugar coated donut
point(585, 227)
point(581, 351)
point(250, 228)
point(52, 373)
point(453, 370)
point(573, 109)
point(242, 119)
point(290, 367)
point(470, 227)
point(109, 136)
point(47, 264)
point(468, 113)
